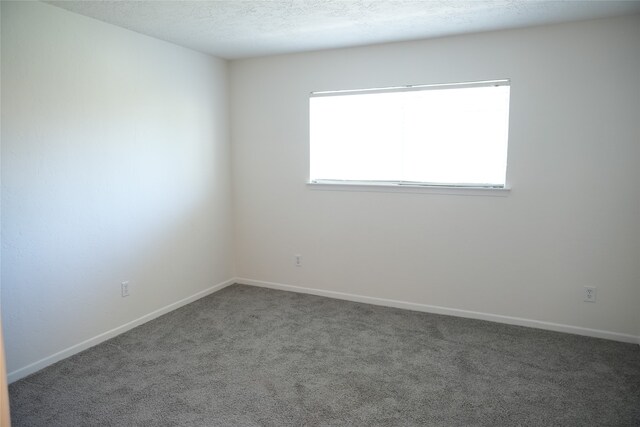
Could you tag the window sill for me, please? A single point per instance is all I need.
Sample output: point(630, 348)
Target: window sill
point(408, 188)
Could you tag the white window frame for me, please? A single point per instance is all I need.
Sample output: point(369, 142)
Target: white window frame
point(404, 186)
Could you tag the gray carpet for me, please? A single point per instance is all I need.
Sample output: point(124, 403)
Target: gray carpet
point(247, 356)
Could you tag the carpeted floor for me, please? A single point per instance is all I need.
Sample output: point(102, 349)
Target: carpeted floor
point(248, 356)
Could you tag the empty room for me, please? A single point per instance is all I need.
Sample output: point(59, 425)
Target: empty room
point(320, 213)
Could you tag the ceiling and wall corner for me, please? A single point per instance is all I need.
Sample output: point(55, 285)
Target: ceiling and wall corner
point(241, 29)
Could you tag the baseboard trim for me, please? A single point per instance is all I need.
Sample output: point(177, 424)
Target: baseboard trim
point(77, 348)
point(49, 360)
point(550, 326)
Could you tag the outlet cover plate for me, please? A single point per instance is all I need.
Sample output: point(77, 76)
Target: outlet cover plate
point(590, 294)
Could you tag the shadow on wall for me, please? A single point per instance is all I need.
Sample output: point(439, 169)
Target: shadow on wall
point(115, 166)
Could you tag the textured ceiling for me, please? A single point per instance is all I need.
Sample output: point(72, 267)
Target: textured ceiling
point(239, 29)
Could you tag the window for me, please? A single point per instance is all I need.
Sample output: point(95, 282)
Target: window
point(430, 135)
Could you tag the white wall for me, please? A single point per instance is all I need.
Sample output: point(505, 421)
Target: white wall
point(572, 218)
point(115, 166)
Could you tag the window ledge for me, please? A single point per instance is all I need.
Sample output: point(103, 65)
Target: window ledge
point(409, 188)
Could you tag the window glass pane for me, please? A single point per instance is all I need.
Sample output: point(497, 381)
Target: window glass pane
point(439, 136)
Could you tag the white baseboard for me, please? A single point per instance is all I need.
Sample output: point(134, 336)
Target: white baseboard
point(577, 330)
point(49, 360)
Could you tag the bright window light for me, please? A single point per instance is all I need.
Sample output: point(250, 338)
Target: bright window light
point(446, 135)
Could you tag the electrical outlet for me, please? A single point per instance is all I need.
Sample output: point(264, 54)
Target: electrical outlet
point(298, 260)
point(125, 289)
point(590, 294)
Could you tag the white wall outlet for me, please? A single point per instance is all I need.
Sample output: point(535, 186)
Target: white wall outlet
point(298, 260)
point(590, 294)
point(125, 289)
